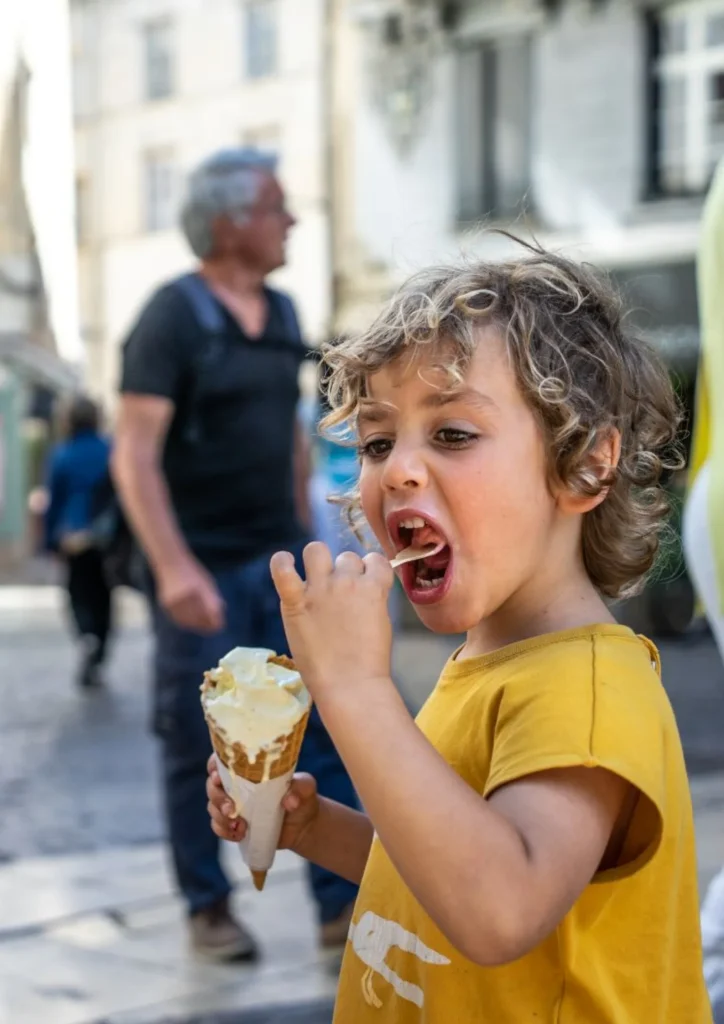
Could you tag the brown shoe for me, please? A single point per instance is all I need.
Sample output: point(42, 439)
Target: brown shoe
point(216, 935)
point(333, 934)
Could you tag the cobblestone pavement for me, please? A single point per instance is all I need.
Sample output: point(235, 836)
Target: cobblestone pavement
point(79, 770)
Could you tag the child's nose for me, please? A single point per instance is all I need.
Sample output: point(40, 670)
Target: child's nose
point(404, 469)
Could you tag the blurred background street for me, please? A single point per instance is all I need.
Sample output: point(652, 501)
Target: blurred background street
point(401, 132)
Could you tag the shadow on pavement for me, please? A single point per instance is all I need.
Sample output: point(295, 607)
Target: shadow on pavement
point(309, 1013)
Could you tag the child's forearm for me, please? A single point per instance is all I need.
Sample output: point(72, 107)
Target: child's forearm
point(465, 864)
point(339, 840)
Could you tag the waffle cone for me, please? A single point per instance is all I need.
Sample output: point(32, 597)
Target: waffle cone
point(268, 764)
point(258, 878)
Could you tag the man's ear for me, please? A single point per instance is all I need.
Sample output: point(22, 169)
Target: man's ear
point(599, 468)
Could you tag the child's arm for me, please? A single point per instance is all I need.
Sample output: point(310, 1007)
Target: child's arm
point(496, 876)
point(339, 840)
point(323, 831)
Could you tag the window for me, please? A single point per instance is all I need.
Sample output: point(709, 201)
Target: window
point(158, 57)
point(159, 186)
point(260, 37)
point(688, 96)
point(493, 129)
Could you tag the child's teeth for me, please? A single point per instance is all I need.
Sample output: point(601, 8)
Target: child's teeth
point(416, 523)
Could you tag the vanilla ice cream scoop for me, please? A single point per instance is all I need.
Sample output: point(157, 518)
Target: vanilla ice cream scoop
point(254, 702)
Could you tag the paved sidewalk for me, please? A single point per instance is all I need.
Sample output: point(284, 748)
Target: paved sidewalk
point(99, 938)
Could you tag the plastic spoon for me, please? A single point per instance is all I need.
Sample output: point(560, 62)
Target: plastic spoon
point(413, 554)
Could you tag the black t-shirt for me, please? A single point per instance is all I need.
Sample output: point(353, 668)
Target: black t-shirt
point(228, 458)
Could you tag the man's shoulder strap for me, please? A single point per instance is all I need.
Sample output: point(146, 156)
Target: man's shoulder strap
point(206, 307)
point(208, 312)
point(288, 313)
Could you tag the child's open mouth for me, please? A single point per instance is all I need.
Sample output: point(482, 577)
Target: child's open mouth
point(426, 580)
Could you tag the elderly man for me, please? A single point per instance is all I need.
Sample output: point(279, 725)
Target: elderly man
point(209, 463)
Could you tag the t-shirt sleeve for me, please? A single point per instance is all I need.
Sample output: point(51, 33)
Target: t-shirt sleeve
point(576, 714)
point(155, 358)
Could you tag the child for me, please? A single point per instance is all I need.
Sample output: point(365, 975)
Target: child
point(528, 849)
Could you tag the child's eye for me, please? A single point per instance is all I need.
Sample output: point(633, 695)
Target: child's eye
point(452, 437)
point(377, 448)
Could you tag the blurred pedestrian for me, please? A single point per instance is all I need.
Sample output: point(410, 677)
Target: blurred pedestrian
point(704, 513)
point(78, 468)
point(211, 463)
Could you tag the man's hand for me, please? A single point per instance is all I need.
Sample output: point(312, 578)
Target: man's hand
point(189, 596)
point(337, 623)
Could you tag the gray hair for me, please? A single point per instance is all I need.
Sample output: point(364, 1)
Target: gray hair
point(225, 183)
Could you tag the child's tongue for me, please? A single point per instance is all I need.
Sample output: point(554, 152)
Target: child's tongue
point(439, 560)
point(422, 536)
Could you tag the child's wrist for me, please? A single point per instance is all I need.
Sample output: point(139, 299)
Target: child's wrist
point(310, 835)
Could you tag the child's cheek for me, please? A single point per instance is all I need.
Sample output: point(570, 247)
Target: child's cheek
point(371, 500)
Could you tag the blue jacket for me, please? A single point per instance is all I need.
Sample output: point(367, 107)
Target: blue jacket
point(76, 469)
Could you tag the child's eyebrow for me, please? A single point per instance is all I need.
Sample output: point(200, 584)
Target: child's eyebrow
point(375, 412)
point(372, 412)
point(471, 396)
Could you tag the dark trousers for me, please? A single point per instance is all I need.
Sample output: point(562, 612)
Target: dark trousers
point(252, 620)
point(89, 597)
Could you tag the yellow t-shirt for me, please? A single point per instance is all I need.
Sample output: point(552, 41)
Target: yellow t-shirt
point(629, 952)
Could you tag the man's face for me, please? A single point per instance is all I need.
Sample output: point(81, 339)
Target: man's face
point(257, 236)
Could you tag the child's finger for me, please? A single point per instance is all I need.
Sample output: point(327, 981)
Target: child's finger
point(216, 793)
point(231, 834)
point(291, 802)
point(228, 810)
point(317, 561)
point(232, 828)
point(288, 582)
point(303, 787)
point(378, 568)
point(211, 764)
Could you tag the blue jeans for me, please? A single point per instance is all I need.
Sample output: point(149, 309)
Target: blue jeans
point(252, 620)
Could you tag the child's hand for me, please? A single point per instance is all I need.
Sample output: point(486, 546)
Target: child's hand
point(337, 623)
point(301, 805)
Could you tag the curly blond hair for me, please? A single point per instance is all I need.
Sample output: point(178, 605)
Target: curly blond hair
point(578, 366)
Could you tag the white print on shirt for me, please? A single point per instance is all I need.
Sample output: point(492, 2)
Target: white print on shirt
point(372, 938)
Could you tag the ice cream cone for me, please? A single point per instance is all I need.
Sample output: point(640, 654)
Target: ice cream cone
point(259, 879)
point(258, 782)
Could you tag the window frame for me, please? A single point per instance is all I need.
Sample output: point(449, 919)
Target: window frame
point(268, 66)
point(151, 92)
point(158, 214)
point(694, 66)
point(489, 201)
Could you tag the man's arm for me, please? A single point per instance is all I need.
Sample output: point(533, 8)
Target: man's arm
point(302, 474)
point(185, 589)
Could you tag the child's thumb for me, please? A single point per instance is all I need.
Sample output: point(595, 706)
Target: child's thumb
point(303, 788)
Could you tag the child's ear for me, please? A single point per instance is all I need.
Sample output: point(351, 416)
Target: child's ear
point(600, 465)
